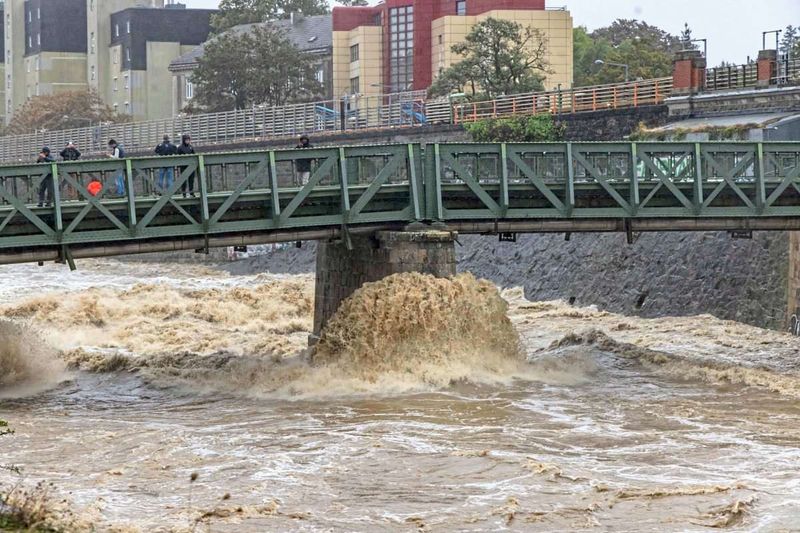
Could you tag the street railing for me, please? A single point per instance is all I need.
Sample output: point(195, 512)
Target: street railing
point(600, 97)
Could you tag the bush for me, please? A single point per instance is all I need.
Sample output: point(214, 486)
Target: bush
point(532, 128)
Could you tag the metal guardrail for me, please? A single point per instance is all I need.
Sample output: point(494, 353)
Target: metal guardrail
point(743, 76)
point(252, 197)
point(258, 123)
point(596, 98)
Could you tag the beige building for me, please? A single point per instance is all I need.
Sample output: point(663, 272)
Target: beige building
point(554, 25)
point(402, 45)
point(120, 48)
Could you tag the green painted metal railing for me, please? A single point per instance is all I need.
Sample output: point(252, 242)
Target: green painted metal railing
point(391, 185)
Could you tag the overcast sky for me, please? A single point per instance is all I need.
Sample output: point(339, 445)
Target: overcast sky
point(733, 27)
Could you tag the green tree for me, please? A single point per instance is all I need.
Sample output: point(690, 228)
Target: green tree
point(646, 49)
point(239, 70)
point(790, 41)
point(234, 12)
point(499, 57)
point(531, 128)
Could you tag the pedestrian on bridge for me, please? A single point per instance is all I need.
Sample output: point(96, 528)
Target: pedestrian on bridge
point(303, 166)
point(70, 152)
point(166, 175)
point(46, 186)
point(115, 151)
point(186, 148)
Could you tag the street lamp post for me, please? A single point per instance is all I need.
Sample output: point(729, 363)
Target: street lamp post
point(623, 65)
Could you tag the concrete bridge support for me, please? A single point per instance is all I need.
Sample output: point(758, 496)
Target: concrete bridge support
point(340, 271)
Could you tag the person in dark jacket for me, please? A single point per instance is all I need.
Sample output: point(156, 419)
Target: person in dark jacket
point(46, 186)
point(303, 166)
point(166, 175)
point(70, 153)
point(186, 148)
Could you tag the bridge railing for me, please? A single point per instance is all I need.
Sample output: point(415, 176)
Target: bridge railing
point(601, 97)
point(133, 200)
point(617, 180)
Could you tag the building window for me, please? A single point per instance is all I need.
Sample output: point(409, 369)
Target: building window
point(189, 89)
point(38, 63)
point(461, 7)
point(30, 41)
point(127, 108)
point(115, 56)
point(127, 54)
point(354, 85)
point(320, 75)
point(27, 65)
point(38, 14)
point(115, 83)
point(38, 39)
point(128, 26)
point(92, 42)
point(116, 30)
point(127, 85)
point(93, 73)
point(401, 48)
point(354, 53)
point(30, 16)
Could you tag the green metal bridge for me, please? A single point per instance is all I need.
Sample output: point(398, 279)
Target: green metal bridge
point(252, 197)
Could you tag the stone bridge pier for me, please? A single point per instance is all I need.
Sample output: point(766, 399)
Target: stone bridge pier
point(342, 270)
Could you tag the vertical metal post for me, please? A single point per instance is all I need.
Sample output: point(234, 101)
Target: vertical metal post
point(56, 198)
point(131, 196)
point(634, 188)
point(273, 185)
point(698, 179)
point(504, 179)
point(437, 183)
point(761, 191)
point(343, 184)
point(414, 184)
point(569, 196)
point(203, 178)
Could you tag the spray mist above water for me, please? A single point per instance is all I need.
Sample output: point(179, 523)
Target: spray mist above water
point(27, 364)
point(436, 330)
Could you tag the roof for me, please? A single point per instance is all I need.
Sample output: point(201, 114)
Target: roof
point(308, 34)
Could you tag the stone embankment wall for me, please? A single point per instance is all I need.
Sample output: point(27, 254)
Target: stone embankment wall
point(661, 274)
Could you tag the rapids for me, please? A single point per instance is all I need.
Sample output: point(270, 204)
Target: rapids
point(428, 405)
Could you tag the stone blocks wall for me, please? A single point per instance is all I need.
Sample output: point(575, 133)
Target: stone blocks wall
point(793, 276)
point(612, 124)
point(340, 272)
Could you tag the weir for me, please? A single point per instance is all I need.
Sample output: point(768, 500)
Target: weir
point(342, 269)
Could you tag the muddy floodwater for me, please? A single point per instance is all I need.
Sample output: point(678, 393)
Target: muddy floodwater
point(125, 381)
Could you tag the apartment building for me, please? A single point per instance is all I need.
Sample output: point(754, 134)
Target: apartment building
point(401, 45)
point(54, 46)
point(311, 35)
point(144, 42)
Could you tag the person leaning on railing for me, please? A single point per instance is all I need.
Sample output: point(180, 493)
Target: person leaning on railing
point(46, 186)
point(186, 148)
point(71, 153)
point(166, 175)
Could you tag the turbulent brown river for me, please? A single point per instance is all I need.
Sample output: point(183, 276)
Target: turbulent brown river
point(162, 397)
